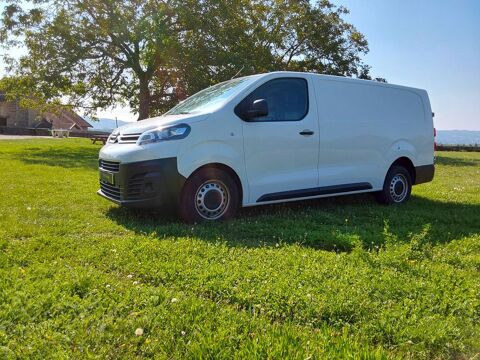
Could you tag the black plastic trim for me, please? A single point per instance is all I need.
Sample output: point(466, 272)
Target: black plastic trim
point(324, 190)
point(424, 173)
point(145, 184)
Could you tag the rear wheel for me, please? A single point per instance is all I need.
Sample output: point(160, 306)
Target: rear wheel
point(210, 194)
point(397, 187)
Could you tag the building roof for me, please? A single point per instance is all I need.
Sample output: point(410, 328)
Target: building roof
point(62, 119)
point(66, 119)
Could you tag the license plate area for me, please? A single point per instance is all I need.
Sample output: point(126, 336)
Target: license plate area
point(107, 177)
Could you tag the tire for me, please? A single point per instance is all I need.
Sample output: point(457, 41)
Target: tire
point(397, 186)
point(210, 194)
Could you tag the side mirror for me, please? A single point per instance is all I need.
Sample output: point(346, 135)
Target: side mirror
point(258, 108)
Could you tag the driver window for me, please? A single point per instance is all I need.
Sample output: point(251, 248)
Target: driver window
point(287, 99)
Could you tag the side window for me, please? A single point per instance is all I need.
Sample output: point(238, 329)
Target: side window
point(287, 100)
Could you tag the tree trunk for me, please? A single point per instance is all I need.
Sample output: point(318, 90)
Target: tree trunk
point(144, 99)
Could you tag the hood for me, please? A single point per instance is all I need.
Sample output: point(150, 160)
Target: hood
point(139, 127)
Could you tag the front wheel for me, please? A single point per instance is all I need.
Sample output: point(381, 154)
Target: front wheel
point(210, 194)
point(397, 187)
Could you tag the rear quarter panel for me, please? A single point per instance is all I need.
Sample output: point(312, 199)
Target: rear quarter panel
point(366, 126)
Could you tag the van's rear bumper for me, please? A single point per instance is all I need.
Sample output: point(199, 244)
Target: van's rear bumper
point(424, 173)
point(145, 184)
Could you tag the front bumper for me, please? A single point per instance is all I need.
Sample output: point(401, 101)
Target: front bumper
point(144, 184)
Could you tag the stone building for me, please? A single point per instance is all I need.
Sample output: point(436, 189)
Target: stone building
point(13, 116)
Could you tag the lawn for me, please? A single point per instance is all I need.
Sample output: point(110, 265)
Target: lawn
point(332, 278)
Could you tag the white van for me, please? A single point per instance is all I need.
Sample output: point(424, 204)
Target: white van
point(271, 138)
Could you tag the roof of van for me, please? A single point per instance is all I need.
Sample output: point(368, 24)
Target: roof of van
point(347, 79)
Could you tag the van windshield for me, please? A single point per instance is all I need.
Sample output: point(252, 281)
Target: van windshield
point(212, 98)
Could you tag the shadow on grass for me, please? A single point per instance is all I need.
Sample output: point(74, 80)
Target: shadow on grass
point(334, 224)
point(450, 161)
point(69, 157)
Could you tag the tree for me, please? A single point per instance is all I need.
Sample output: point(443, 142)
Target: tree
point(227, 37)
point(92, 54)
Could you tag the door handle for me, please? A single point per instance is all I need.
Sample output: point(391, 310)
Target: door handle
point(306, 132)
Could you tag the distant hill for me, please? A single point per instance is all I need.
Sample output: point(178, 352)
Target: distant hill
point(458, 137)
point(103, 124)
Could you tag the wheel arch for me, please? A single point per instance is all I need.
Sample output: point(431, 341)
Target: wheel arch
point(407, 164)
point(227, 169)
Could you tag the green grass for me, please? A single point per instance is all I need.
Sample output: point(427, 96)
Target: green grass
point(331, 278)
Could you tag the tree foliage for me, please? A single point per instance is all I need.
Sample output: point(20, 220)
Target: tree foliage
point(93, 54)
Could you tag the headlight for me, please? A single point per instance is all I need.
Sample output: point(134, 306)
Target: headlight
point(164, 134)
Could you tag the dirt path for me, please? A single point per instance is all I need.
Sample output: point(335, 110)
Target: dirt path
point(21, 137)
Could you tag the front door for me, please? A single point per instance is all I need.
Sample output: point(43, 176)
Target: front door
point(281, 147)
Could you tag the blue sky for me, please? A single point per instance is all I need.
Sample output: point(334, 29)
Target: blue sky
point(430, 44)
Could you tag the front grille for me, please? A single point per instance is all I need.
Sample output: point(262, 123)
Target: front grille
point(124, 138)
point(135, 187)
point(110, 190)
point(128, 138)
point(109, 165)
